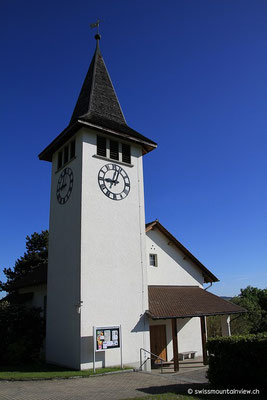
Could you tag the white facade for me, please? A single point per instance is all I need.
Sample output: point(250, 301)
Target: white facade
point(113, 261)
point(63, 283)
point(97, 263)
point(173, 266)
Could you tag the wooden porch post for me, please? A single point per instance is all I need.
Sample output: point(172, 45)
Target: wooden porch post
point(175, 345)
point(204, 339)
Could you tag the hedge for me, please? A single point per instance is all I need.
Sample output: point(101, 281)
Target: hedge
point(238, 361)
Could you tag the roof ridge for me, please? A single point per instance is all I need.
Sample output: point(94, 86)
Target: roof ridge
point(209, 276)
point(113, 89)
point(97, 50)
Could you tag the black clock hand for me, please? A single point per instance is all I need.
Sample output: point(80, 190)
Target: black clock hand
point(116, 179)
point(111, 181)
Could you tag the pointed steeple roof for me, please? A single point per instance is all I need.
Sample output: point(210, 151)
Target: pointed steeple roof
point(97, 99)
point(98, 107)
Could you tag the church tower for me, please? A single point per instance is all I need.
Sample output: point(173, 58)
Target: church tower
point(97, 272)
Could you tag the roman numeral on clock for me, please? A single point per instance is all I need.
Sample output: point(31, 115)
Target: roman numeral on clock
point(114, 182)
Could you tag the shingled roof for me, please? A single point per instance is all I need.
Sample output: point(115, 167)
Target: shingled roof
point(186, 302)
point(97, 97)
point(98, 107)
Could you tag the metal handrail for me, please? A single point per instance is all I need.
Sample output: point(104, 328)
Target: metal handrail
point(149, 358)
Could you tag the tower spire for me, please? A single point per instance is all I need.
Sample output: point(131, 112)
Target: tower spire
point(97, 100)
point(98, 106)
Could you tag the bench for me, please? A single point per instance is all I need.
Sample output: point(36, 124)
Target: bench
point(187, 355)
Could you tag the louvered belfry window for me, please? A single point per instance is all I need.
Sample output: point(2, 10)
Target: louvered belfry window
point(59, 160)
point(72, 149)
point(126, 153)
point(114, 150)
point(101, 146)
point(66, 154)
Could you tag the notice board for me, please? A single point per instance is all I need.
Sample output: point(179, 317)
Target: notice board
point(107, 338)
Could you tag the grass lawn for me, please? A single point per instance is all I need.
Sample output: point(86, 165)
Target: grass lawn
point(46, 371)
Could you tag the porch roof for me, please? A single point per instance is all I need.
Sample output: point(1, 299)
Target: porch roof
point(185, 302)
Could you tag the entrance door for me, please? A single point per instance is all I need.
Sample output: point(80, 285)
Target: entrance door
point(158, 341)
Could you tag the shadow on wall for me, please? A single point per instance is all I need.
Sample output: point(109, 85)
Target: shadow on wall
point(181, 322)
point(142, 325)
point(87, 352)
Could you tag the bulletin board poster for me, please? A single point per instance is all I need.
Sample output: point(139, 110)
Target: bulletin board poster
point(107, 338)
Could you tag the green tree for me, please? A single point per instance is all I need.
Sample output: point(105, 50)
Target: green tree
point(22, 332)
point(255, 321)
point(214, 326)
point(36, 254)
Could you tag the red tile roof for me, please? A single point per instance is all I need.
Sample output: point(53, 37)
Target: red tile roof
point(186, 301)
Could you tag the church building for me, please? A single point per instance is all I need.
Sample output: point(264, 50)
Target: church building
point(116, 287)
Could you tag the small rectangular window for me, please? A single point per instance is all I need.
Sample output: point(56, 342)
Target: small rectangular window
point(153, 260)
point(66, 154)
point(59, 160)
point(101, 146)
point(72, 149)
point(114, 150)
point(126, 153)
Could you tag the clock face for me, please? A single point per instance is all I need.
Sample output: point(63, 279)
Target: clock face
point(114, 182)
point(64, 185)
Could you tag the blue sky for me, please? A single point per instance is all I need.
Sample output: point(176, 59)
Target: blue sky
point(190, 74)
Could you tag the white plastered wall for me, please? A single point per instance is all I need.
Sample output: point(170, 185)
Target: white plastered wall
point(173, 267)
point(63, 286)
point(113, 261)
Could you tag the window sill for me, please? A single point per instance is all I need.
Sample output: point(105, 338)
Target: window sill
point(112, 160)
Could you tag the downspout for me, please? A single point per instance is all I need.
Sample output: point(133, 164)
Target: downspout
point(208, 286)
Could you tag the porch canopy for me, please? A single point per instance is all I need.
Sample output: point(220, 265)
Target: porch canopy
point(172, 302)
point(186, 302)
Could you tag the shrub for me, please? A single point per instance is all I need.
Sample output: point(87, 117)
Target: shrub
point(238, 361)
point(21, 332)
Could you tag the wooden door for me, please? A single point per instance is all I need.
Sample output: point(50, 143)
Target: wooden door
point(158, 341)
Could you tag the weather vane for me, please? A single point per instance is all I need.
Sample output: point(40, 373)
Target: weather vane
point(96, 25)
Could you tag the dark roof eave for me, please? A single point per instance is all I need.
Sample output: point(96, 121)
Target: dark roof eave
point(209, 277)
point(29, 285)
point(194, 315)
point(66, 134)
